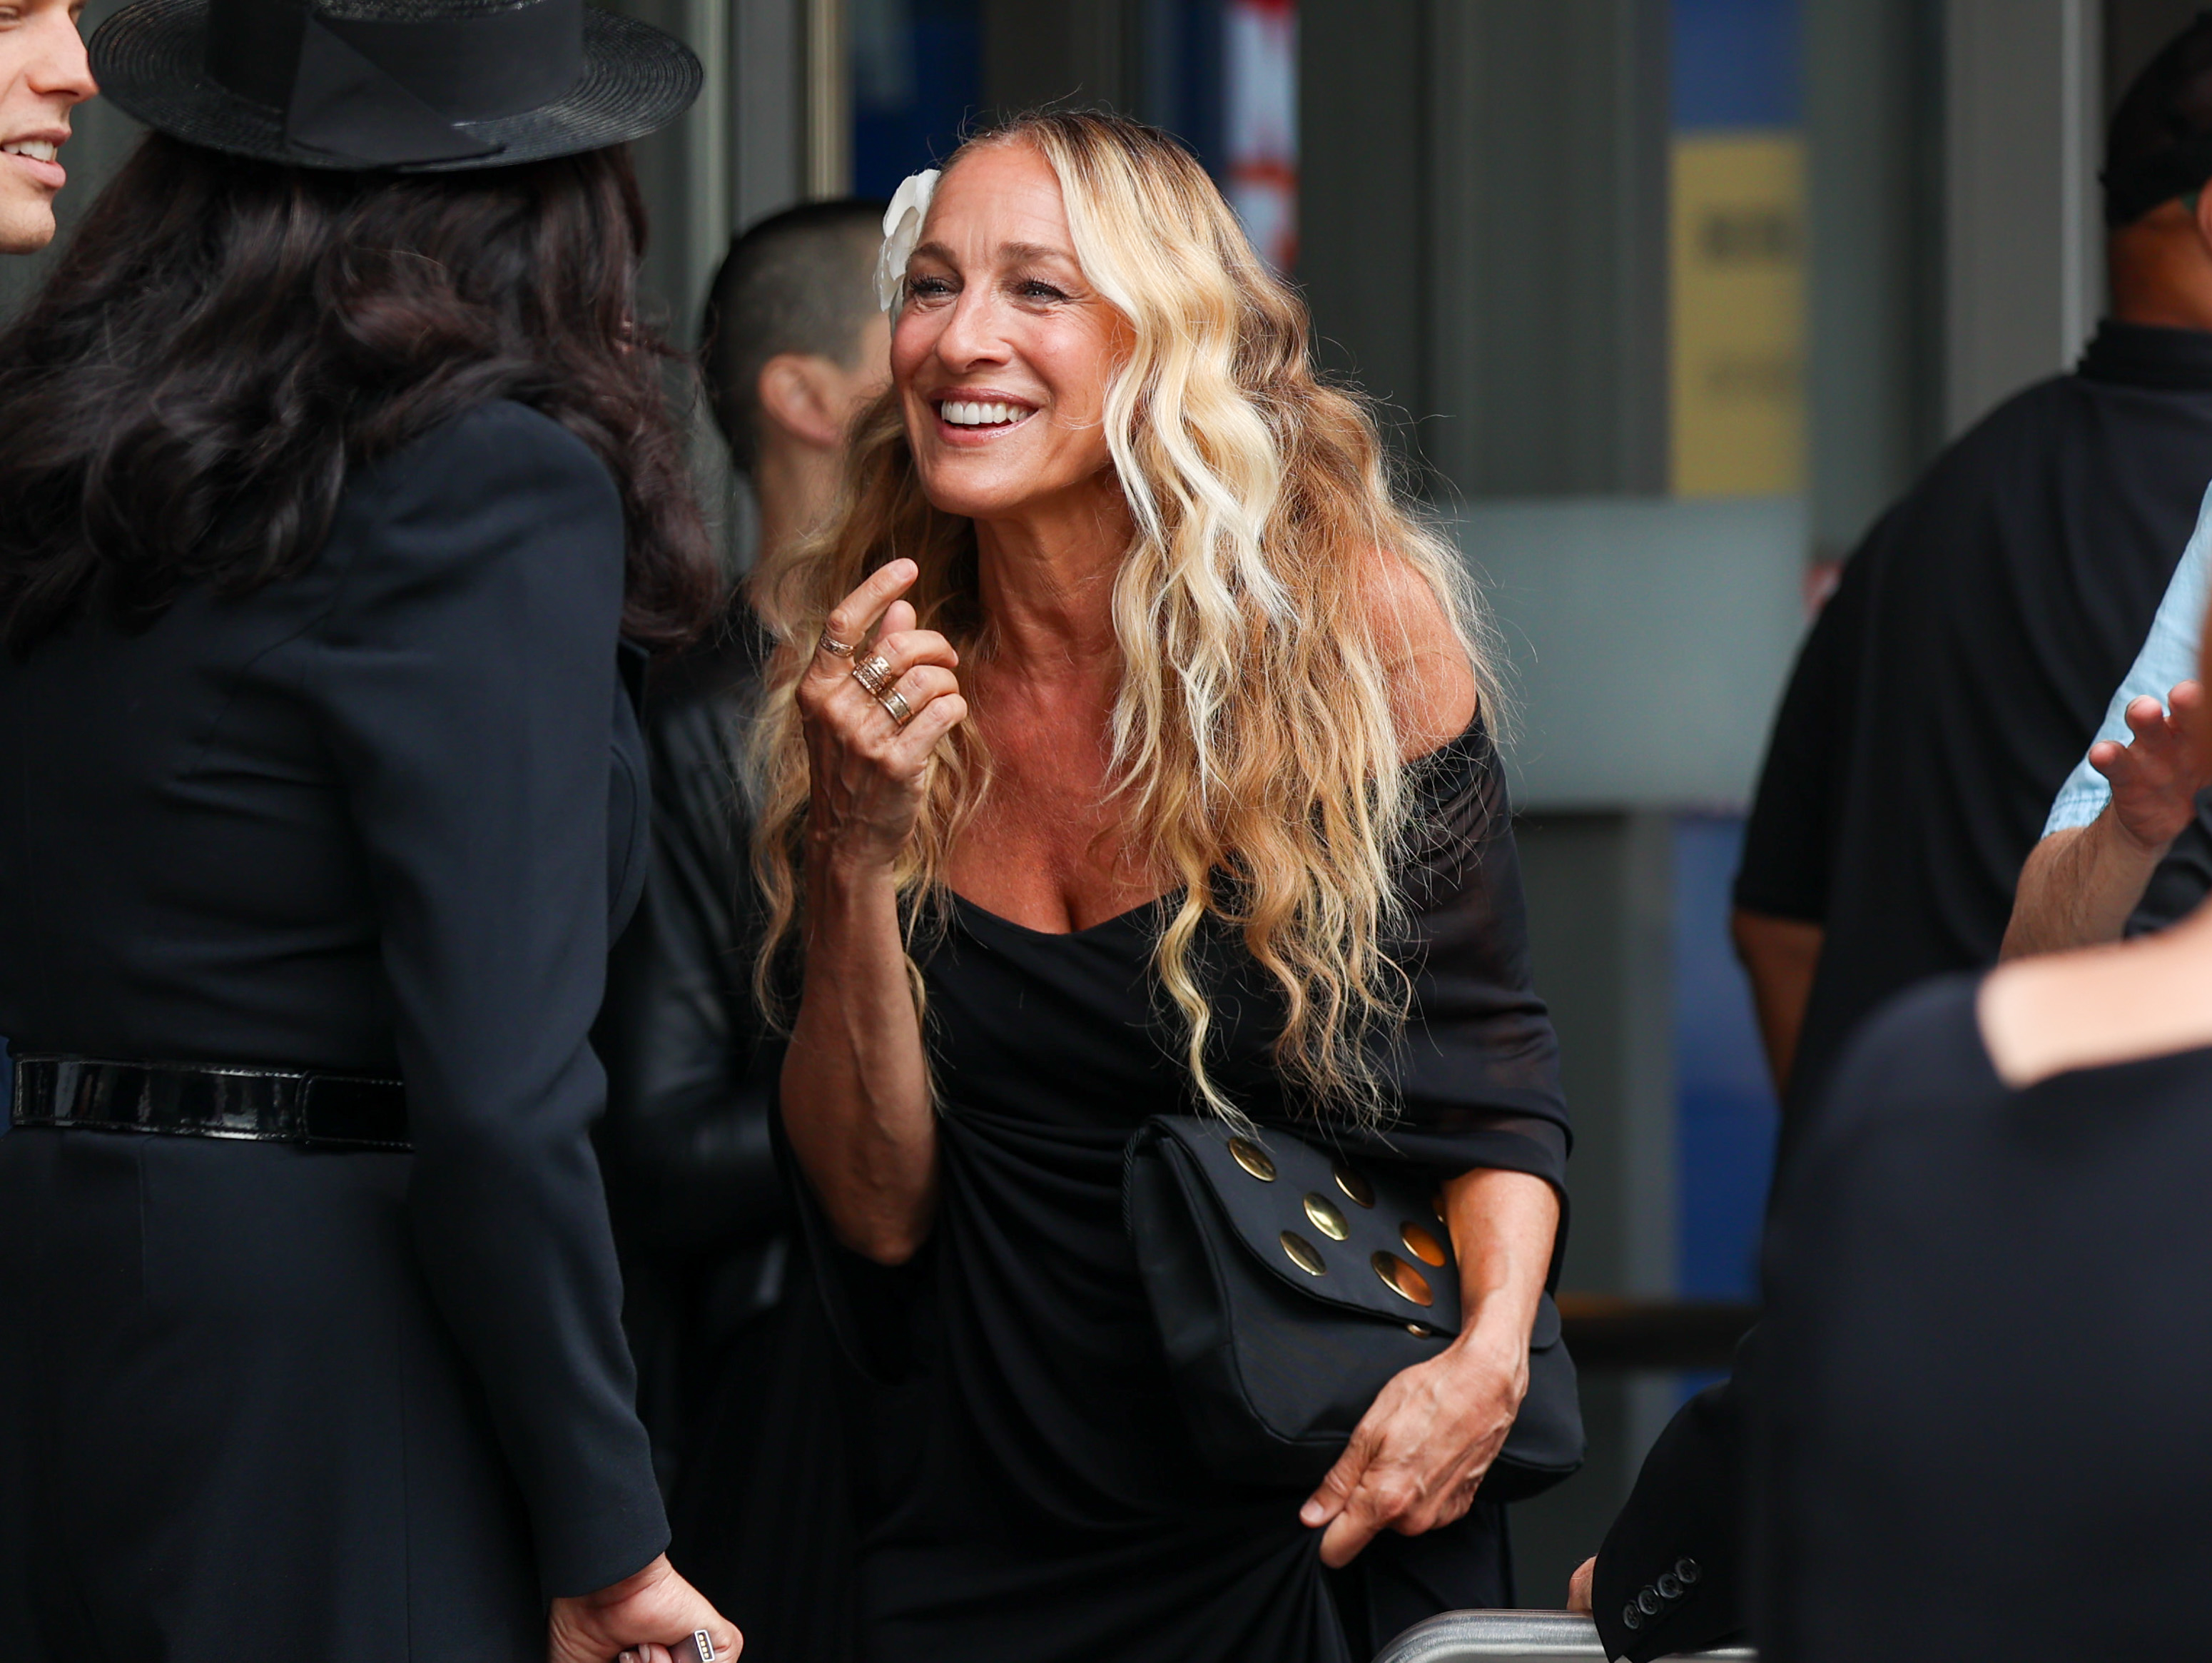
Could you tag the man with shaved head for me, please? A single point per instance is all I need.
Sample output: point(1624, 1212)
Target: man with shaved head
point(793, 344)
point(44, 76)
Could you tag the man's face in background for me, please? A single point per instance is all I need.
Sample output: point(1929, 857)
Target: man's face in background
point(44, 76)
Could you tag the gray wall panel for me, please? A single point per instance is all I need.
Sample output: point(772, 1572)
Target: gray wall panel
point(1483, 205)
point(2024, 242)
point(1648, 641)
point(1874, 140)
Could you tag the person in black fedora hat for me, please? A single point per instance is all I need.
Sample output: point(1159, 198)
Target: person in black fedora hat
point(343, 503)
point(413, 85)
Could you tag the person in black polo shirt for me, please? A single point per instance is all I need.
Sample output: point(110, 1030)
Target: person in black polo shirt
point(1948, 688)
point(1963, 663)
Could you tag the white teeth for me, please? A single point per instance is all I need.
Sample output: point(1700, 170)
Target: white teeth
point(38, 150)
point(961, 412)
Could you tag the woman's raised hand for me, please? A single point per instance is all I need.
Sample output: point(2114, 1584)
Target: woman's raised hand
point(639, 1619)
point(868, 766)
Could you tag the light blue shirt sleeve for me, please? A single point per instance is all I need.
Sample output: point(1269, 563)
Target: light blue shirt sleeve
point(2167, 659)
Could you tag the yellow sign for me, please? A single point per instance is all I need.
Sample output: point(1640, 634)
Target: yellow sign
point(1738, 364)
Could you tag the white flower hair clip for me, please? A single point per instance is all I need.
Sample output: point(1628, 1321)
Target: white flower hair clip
point(901, 230)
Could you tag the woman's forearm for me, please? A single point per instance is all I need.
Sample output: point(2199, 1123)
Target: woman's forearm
point(1503, 1226)
point(855, 1088)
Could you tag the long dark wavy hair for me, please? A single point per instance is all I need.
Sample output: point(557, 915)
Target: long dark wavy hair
point(224, 340)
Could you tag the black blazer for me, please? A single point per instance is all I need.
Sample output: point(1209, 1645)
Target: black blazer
point(1670, 1576)
point(380, 817)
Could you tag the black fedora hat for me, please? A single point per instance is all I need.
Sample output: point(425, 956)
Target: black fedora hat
point(411, 85)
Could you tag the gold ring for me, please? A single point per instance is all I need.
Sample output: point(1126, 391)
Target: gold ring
point(834, 647)
point(874, 674)
point(896, 707)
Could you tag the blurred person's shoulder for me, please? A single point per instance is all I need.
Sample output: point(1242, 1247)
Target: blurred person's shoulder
point(1919, 1053)
point(2005, 451)
point(2122, 377)
point(1985, 503)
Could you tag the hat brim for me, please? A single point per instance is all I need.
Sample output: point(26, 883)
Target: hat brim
point(150, 59)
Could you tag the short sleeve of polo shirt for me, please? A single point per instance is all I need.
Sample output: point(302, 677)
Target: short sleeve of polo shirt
point(1786, 847)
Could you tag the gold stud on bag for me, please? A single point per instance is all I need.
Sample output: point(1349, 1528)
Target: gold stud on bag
point(1402, 1279)
point(1326, 1217)
point(1303, 1254)
point(1421, 1243)
point(1253, 1159)
point(1354, 1186)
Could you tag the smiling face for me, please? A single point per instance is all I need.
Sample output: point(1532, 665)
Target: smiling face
point(43, 77)
point(1003, 353)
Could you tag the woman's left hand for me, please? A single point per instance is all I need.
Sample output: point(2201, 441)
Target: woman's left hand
point(1418, 1453)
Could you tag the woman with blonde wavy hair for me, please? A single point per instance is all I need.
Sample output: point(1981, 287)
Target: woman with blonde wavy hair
point(1124, 752)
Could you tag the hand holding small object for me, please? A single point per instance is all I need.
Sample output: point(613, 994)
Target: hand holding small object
point(648, 1617)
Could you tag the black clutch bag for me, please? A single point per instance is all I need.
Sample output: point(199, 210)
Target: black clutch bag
point(1290, 1285)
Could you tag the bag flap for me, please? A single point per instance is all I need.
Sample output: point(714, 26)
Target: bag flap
point(1343, 1230)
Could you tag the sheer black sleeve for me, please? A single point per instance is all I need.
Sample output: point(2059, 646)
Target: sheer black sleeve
point(1477, 1070)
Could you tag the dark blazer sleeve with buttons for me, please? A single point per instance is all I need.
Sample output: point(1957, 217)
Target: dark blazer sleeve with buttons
point(1670, 1575)
point(464, 679)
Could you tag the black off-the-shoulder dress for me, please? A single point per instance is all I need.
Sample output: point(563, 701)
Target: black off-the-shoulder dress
point(999, 1472)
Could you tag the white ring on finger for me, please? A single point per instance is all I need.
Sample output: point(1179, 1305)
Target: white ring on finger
point(896, 707)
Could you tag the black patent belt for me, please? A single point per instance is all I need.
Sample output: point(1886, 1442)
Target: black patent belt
point(188, 1100)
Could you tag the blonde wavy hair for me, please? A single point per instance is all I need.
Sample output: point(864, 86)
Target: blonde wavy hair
point(1254, 746)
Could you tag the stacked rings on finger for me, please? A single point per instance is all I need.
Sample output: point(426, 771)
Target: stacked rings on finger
point(874, 673)
point(834, 647)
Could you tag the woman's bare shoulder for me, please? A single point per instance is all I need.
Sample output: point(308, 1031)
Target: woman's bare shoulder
point(1433, 692)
